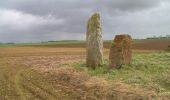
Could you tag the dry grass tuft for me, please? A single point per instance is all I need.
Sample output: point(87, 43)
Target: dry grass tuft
point(80, 85)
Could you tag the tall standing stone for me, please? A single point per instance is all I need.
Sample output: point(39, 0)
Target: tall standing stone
point(120, 51)
point(94, 42)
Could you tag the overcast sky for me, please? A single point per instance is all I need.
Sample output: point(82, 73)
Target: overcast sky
point(43, 20)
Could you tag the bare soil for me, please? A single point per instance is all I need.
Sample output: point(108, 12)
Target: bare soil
point(143, 44)
point(152, 44)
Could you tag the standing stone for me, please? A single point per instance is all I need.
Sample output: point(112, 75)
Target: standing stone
point(120, 51)
point(94, 42)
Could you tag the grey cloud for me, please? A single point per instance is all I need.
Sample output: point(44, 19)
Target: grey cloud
point(60, 6)
point(59, 19)
point(129, 5)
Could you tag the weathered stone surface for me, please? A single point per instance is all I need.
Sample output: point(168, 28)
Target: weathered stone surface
point(120, 51)
point(94, 42)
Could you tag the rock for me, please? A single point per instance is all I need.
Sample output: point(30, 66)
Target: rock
point(120, 51)
point(94, 42)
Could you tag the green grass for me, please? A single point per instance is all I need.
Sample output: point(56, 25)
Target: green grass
point(48, 43)
point(6, 45)
point(147, 70)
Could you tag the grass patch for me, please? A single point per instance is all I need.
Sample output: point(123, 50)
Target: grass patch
point(147, 70)
point(6, 45)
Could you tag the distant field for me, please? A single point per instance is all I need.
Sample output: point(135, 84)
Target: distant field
point(138, 44)
point(152, 44)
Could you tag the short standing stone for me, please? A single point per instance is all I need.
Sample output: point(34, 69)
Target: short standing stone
point(94, 42)
point(120, 51)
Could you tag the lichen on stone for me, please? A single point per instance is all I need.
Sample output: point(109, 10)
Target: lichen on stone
point(94, 41)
